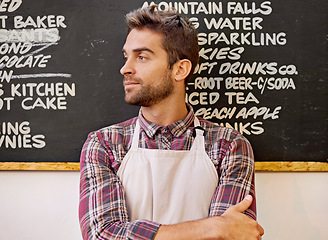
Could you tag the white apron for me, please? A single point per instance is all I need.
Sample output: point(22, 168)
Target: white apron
point(168, 186)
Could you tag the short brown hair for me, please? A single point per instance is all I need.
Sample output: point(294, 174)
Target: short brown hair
point(180, 39)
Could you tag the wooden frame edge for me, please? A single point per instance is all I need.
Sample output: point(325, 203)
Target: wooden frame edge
point(292, 166)
point(40, 166)
point(75, 166)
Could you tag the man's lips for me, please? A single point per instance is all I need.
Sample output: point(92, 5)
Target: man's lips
point(129, 82)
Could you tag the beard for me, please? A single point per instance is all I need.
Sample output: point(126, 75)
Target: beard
point(149, 95)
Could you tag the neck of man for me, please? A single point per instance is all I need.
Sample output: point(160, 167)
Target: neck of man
point(166, 112)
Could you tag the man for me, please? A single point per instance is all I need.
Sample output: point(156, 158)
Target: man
point(165, 174)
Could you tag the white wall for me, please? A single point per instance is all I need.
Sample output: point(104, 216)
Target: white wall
point(39, 205)
point(43, 205)
point(293, 206)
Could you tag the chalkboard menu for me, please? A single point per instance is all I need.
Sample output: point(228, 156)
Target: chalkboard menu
point(262, 70)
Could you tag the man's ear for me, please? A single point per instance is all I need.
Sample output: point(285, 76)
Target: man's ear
point(182, 69)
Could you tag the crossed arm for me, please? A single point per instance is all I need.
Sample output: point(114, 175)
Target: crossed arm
point(232, 224)
point(103, 213)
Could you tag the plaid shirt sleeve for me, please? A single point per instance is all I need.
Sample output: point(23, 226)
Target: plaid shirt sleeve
point(236, 175)
point(102, 208)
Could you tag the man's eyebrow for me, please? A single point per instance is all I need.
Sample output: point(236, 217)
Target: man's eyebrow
point(142, 49)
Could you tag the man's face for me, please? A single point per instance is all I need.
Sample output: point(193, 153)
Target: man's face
point(147, 77)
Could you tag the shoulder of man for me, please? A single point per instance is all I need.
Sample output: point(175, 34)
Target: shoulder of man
point(214, 130)
point(110, 132)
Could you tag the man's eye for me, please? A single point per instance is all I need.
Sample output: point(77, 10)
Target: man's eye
point(142, 58)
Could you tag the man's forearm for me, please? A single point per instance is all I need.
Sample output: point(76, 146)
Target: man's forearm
point(233, 224)
point(199, 229)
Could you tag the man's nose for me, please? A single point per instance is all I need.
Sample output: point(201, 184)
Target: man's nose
point(128, 68)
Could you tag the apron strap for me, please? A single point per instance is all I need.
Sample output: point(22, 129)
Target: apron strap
point(135, 139)
point(199, 141)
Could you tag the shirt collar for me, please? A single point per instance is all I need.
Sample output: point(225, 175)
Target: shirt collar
point(176, 128)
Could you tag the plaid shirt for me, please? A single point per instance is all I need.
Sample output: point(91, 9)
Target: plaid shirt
point(102, 209)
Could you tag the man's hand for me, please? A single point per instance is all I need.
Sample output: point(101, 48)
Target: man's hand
point(232, 225)
point(237, 226)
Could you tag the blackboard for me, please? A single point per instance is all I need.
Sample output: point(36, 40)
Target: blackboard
point(263, 69)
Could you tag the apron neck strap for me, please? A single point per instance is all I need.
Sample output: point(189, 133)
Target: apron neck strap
point(135, 139)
